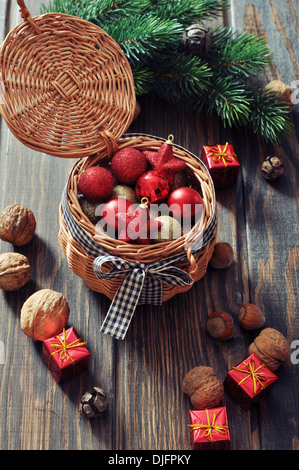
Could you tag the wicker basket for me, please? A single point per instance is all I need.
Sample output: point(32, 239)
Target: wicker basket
point(69, 92)
point(68, 88)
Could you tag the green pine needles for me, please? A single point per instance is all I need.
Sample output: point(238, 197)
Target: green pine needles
point(150, 34)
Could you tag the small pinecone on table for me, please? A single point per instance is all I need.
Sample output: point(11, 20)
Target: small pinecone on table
point(196, 40)
point(93, 403)
point(272, 168)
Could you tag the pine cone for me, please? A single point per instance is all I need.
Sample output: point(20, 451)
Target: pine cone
point(272, 168)
point(93, 403)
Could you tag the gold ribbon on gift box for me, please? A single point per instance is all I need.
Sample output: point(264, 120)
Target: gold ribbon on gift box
point(63, 347)
point(209, 427)
point(252, 372)
point(221, 154)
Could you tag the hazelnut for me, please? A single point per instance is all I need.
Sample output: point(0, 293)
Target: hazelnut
point(222, 256)
point(44, 314)
point(15, 271)
point(93, 403)
point(203, 387)
point(271, 347)
point(251, 317)
point(220, 325)
point(17, 225)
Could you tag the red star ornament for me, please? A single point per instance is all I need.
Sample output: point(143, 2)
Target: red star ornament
point(137, 226)
point(164, 161)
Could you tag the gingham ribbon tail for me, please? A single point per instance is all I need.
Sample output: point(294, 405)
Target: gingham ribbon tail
point(125, 301)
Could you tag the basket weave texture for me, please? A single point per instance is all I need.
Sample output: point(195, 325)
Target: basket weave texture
point(68, 88)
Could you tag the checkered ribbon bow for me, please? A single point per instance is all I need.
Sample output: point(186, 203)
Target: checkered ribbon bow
point(126, 298)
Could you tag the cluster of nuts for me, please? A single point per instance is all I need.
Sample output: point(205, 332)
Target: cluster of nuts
point(46, 312)
point(205, 389)
point(220, 325)
point(201, 384)
point(17, 226)
point(270, 346)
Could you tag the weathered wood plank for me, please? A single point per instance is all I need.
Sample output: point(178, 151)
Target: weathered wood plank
point(35, 412)
point(272, 217)
point(277, 21)
point(143, 375)
point(165, 342)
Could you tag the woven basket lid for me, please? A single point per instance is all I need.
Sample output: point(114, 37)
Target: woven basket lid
point(67, 89)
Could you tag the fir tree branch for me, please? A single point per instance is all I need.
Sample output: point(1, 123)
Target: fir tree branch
point(105, 10)
point(270, 117)
point(236, 53)
point(150, 32)
point(188, 10)
point(144, 79)
point(229, 100)
point(108, 10)
point(142, 36)
point(180, 77)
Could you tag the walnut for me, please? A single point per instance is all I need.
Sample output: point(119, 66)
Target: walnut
point(203, 387)
point(15, 271)
point(271, 347)
point(17, 225)
point(44, 314)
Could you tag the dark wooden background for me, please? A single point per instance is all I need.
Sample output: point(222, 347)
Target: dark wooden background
point(142, 376)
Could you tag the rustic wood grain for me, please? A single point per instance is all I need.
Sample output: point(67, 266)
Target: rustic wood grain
point(271, 212)
point(35, 412)
point(142, 376)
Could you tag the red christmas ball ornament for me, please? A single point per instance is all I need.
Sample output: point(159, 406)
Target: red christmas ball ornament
point(128, 164)
point(111, 209)
point(185, 203)
point(95, 183)
point(137, 226)
point(153, 185)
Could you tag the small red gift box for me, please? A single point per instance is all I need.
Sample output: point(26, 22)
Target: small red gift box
point(222, 164)
point(249, 381)
point(65, 354)
point(209, 429)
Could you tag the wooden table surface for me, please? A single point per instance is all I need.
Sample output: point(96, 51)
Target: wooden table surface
point(142, 375)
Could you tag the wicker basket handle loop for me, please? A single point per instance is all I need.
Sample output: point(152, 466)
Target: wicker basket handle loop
point(110, 142)
point(25, 14)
